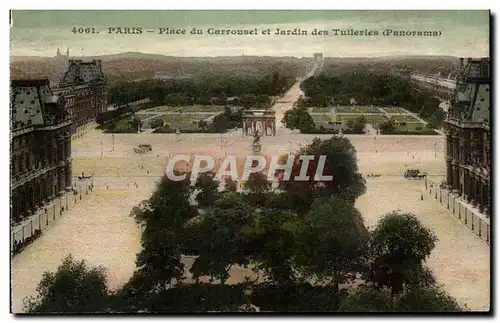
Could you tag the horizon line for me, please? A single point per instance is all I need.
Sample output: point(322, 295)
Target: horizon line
point(244, 55)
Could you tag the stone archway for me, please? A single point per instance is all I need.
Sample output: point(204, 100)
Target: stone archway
point(263, 121)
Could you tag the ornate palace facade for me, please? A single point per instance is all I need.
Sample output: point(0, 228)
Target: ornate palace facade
point(468, 147)
point(82, 88)
point(40, 146)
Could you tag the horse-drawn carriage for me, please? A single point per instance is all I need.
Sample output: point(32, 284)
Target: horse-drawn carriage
point(414, 174)
point(144, 148)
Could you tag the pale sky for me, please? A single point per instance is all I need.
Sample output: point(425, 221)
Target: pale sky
point(462, 33)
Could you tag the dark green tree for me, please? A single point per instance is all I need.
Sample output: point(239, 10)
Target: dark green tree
point(163, 218)
point(259, 189)
point(388, 126)
point(220, 123)
point(332, 242)
point(368, 298)
point(340, 163)
point(299, 118)
point(224, 235)
point(272, 244)
point(426, 299)
point(208, 189)
point(73, 288)
point(399, 247)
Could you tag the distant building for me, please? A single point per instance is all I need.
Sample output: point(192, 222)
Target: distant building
point(40, 146)
point(60, 66)
point(83, 90)
point(318, 63)
point(468, 145)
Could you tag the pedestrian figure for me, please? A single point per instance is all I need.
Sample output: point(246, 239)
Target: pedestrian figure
point(421, 197)
point(142, 166)
point(107, 187)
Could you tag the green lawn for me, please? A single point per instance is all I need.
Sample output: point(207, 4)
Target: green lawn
point(320, 110)
point(182, 121)
point(322, 117)
point(198, 108)
point(164, 108)
point(405, 118)
point(357, 110)
point(394, 110)
point(369, 118)
point(412, 126)
point(145, 116)
point(325, 124)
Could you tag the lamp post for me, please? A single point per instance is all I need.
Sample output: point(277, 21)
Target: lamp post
point(101, 148)
point(113, 142)
point(177, 135)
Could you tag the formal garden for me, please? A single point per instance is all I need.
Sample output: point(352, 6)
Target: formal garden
point(381, 100)
point(305, 241)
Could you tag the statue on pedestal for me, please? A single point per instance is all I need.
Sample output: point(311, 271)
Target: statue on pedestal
point(256, 146)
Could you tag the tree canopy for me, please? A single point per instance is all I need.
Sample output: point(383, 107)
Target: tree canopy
point(307, 245)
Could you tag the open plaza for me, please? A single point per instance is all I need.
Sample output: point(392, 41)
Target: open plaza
point(101, 231)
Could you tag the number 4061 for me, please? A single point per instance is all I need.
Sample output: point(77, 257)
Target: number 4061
point(84, 30)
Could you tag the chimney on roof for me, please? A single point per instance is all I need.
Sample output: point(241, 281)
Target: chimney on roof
point(485, 67)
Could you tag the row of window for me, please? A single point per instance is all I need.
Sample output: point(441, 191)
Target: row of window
point(24, 162)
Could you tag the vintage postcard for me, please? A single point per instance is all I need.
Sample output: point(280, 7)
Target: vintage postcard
point(250, 161)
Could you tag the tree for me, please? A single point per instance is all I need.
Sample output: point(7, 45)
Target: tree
point(359, 124)
point(230, 185)
point(368, 298)
point(223, 232)
point(299, 118)
point(208, 189)
point(73, 288)
point(157, 123)
point(399, 246)
point(388, 126)
point(272, 244)
point(202, 124)
point(426, 299)
point(332, 242)
point(220, 123)
point(365, 298)
point(340, 163)
point(163, 217)
point(258, 187)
